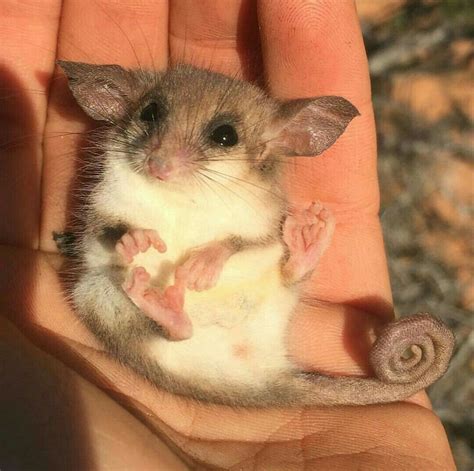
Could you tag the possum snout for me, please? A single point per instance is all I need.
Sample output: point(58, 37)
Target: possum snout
point(161, 169)
point(166, 164)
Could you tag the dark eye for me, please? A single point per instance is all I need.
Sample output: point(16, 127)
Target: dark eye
point(150, 113)
point(225, 135)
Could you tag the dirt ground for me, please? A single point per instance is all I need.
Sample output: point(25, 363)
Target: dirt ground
point(421, 56)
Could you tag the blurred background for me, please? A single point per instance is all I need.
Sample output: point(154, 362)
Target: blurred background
point(421, 55)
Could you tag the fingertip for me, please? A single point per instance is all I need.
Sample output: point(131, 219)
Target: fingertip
point(313, 48)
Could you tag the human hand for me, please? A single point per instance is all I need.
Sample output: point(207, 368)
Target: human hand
point(306, 49)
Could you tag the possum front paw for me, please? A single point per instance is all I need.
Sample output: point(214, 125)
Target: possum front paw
point(165, 308)
point(307, 233)
point(138, 240)
point(202, 269)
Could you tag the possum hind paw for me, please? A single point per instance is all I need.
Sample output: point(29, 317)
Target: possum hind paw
point(165, 308)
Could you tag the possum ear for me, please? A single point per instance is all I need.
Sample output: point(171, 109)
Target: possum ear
point(308, 126)
point(102, 91)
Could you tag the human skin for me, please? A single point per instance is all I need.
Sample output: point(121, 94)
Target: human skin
point(50, 361)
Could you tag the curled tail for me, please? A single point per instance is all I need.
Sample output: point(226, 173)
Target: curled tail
point(408, 355)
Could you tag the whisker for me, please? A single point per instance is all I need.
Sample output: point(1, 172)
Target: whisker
point(237, 184)
point(285, 160)
point(241, 180)
point(208, 177)
point(208, 185)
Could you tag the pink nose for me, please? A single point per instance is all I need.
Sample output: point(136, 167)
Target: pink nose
point(159, 169)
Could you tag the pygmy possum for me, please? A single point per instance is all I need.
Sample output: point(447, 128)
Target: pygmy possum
point(186, 255)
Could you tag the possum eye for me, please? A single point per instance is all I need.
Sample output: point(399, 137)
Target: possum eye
point(150, 113)
point(225, 135)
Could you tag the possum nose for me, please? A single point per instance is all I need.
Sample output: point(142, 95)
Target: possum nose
point(160, 169)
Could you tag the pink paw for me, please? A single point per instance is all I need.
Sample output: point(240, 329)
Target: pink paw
point(138, 240)
point(307, 233)
point(165, 308)
point(202, 269)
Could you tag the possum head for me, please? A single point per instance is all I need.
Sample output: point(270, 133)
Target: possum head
point(186, 121)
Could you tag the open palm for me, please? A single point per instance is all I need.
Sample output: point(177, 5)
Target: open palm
point(298, 49)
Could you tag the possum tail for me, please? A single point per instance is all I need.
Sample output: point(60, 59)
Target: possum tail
point(408, 355)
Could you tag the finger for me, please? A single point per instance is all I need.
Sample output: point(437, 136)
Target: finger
point(28, 33)
point(315, 48)
point(127, 33)
point(222, 36)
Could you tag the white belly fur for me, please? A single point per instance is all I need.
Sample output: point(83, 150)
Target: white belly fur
point(240, 325)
